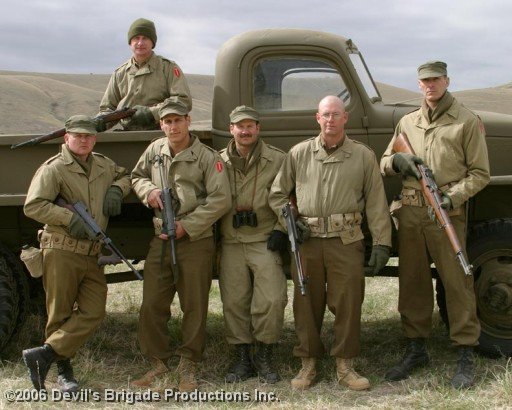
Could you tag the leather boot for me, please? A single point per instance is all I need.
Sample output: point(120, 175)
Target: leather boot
point(307, 374)
point(264, 364)
point(187, 370)
point(39, 360)
point(464, 376)
point(415, 356)
point(66, 379)
point(347, 376)
point(157, 368)
point(241, 369)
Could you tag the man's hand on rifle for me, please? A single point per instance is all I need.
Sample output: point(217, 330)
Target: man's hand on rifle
point(143, 117)
point(180, 232)
point(78, 228)
point(100, 124)
point(155, 200)
point(112, 202)
point(277, 241)
point(406, 164)
point(378, 259)
point(446, 202)
point(303, 231)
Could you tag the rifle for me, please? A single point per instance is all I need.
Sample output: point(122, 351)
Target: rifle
point(433, 195)
point(116, 256)
point(110, 117)
point(168, 217)
point(292, 236)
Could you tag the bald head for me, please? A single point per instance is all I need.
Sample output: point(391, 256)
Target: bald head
point(333, 101)
point(332, 117)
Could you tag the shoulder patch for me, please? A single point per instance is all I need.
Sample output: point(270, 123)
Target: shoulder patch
point(219, 165)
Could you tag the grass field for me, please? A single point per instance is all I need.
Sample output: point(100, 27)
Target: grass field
point(111, 359)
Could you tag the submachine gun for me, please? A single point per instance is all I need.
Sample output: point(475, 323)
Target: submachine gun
point(288, 215)
point(116, 256)
point(434, 197)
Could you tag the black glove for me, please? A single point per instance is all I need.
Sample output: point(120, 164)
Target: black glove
point(79, 230)
point(143, 117)
point(112, 202)
point(100, 124)
point(378, 259)
point(277, 241)
point(406, 164)
point(303, 231)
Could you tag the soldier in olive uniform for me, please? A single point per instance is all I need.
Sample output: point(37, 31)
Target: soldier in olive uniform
point(252, 283)
point(335, 180)
point(450, 139)
point(144, 82)
point(75, 285)
point(198, 179)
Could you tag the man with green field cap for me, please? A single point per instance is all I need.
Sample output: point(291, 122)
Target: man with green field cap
point(199, 183)
point(449, 139)
point(144, 82)
point(251, 279)
point(75, 285)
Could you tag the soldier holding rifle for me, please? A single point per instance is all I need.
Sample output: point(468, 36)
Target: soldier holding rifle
point(199, 184)
point(450, 140)
point(71, 275)
point(335, 180)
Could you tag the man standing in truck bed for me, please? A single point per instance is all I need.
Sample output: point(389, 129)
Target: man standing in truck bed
point(145, 81)
point(71, 275)
point(335, 180)
point(450, 139)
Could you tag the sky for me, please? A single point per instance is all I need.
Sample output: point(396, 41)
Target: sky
point(395, 36)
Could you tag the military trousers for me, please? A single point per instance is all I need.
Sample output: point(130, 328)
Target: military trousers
point(76, 293)
point(195, 259)
point(335, 278)
point(253, 291)
point(420, 242)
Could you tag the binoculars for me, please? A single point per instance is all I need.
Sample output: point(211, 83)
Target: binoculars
point(245, 217)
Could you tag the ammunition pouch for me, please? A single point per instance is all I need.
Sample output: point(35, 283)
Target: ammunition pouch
point(415, 197)
point(346, 226)
point(55, 240)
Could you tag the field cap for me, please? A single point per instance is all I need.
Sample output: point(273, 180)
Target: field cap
point(432, 69)
point(142, 27)
point(81, 124)
point(242, 112)
point(172, 106)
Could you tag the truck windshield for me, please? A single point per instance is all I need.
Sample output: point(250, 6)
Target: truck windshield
point(292, 83)
point(365, 77)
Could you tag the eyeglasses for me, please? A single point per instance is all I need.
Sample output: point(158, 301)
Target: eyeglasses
point(328, 115)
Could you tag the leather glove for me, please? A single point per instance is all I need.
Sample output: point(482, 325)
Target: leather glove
point(277, 241)
point(79, 230)
point(143, 117)
point(303, 231)
point(112, 202)
point(447, 202)
point(100, 124)
point(406, 164)
point(378, 259)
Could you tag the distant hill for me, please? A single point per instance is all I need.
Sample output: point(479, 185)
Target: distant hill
point(33, 103)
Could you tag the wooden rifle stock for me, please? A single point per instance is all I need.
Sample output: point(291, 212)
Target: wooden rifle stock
point(434, 198)
point(110, 117)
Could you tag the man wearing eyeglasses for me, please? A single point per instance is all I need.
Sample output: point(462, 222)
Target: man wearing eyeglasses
point(335, 180)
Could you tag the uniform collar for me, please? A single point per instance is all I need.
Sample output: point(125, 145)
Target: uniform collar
point(188, 154)
point(147, 65)
point(445, 113)
point(73, 165)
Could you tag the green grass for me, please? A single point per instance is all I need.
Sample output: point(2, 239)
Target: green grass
point(111, 360)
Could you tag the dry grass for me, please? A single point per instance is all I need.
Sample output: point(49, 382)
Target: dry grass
point(110, 360)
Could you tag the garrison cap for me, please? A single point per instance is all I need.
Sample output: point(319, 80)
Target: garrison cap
point(243, 112)
point(142, 27)
point(81, 124)
point(432, 69)
point(172, 106)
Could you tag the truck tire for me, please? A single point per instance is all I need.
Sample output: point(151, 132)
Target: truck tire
point(9, 299)
point(490, 251)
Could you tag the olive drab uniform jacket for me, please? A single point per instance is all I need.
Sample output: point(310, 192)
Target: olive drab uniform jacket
point(197, 177)
point(149, 85)
point(62, 175)
point(251, 189)
point(452, 144)
point(337, 187)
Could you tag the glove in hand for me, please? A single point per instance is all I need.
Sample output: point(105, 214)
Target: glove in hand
point(79, 230)
point(378, 259)
point(143, 117)
point(303, 231)
point(112, 202)
point(406, 164)
point(446, 203)
point(100, 124)
point(277, 241)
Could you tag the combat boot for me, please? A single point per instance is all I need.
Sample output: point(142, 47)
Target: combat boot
point(464, 376)
point(158, 368)
point(307, 374)
point(241, 369)
point(347, 376)
point(264, 364)
point(187, 370)
point(415, 356)
point(39, 360)
point(66, 379)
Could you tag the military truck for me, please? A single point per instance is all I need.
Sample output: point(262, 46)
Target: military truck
point(283, 73)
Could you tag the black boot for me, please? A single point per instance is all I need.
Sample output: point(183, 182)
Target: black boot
point(241, 369)
point(66, 378)
point(415, 356)
point(464, 376)
point(264, 363)
point(38, 360)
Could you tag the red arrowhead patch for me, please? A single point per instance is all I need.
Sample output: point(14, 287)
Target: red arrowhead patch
point(176, 72)
point(219, 166)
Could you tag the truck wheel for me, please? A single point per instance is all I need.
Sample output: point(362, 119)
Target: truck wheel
point(9, 300)
point(490, 251)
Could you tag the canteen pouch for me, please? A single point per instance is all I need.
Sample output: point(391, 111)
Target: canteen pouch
point(33, 260)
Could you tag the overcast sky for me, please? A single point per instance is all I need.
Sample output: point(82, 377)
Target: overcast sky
point(75, 36)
